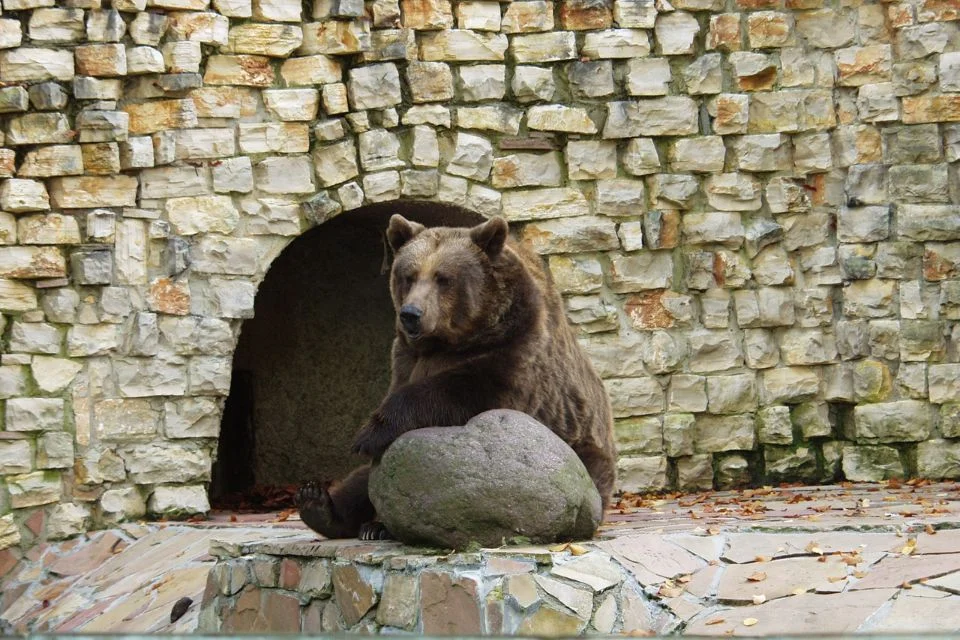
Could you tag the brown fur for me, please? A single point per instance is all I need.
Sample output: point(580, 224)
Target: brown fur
point(492, 334)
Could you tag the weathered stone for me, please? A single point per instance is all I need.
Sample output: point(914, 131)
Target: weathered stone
point(732, 394)
point(422, 452)
point(472, 157)
point(460, 45)
point(668, 116)
point(532, 83)
point(157, 463)
point(695, 472)
point(576, 274)
point(938, 459)
point(244, 70)
point(178, 501)
point(634, 396)
point(119, 505)
point(34, 489)
point(274, 40)
point(27, 64)
point(905, 420)
point(541, 47)
point(560, 118)
point(640, 271)
point(871, 463)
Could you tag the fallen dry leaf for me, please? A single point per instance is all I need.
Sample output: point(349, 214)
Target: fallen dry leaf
point(759, 598)
point(713, 531)
point(798, 591)
point(814, 548)
point(833, 579)
point(684, 579)
point(578, 550)
point(557, 548)
point(929, 530)
point(762, 559)
point(910, 547)
point(749, 622)
point(715, 621)
point(759, 576)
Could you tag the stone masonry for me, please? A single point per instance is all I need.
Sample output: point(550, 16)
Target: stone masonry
point(751, 206)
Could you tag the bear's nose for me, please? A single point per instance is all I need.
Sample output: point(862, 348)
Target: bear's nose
point(410, 318)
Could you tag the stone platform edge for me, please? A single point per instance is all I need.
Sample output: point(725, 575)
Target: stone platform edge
point(304, 585)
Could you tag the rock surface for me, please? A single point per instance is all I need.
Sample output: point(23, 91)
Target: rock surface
point(501, 476)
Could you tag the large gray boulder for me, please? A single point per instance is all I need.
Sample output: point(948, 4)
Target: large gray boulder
point(501, 476)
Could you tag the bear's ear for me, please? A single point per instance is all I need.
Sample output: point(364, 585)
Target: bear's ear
point(490, 236)
point(400, 231)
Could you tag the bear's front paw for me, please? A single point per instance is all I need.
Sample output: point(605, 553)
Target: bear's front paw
point(372, 440)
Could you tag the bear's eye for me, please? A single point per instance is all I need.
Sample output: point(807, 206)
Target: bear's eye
point(441, 280)
point(409, 280)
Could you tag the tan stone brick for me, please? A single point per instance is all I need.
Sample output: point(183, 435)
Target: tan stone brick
point(32, 262)
point(582, 15)
point(102, 158)
point(945, 108)
point(309, 70)
point(161, 115)
point(244, 70)
point(766, 29)
point(101, 60)
point(93, 192)
point(427, 15)
point(724, 33)
point(336, 37)
point(275, 40)
point(528, 17)
point(857, 66)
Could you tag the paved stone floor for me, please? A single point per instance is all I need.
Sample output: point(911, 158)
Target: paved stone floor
point(839, 559)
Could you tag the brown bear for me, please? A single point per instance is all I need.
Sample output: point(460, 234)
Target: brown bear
point(479, 326)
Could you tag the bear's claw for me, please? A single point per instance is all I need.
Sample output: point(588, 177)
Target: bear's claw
point(374, 531)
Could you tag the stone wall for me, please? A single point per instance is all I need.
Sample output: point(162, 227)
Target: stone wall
point(750, 205)
point(304, 586)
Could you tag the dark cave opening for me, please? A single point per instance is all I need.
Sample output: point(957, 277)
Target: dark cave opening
point(314, 361)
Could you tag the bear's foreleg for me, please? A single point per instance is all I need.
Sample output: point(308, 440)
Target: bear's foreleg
point(444, 400)
point(340, 512)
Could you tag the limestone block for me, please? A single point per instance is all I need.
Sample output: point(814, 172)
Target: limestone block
point(273, 40)
point(243, 70)
point(336, 37)
point(668, 116)
point(39, 128)
point(30, 64)
point(34, 414)
point(532, 84)
point(526, 170)
point(528, 17)
point(460, 45)
point(543, 47)
point(615, 43)
point(556, 117)
point(676, 33)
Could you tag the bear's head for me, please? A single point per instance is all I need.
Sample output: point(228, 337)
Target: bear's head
point(450, 286)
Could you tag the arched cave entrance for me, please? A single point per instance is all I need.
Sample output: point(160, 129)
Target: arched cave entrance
point(314, 361)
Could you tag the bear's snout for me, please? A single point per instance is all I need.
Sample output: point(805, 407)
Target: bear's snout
point(410, 319)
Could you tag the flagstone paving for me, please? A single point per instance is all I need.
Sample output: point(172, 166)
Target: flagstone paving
point(837, 559)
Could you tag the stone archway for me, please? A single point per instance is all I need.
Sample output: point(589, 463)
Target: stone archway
point(314, 360)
